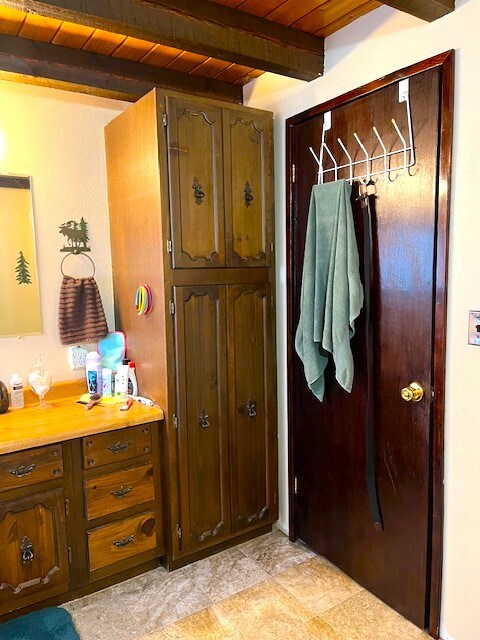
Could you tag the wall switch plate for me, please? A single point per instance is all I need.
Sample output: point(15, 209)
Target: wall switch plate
point(76, 357)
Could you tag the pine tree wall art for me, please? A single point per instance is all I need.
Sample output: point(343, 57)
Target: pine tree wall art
point(19, 292)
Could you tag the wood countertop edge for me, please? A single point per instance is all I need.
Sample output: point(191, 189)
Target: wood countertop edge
point(44, 435)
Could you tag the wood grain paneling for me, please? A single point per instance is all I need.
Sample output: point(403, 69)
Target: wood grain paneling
point(33, 544)
point(72, 35)
point(121, 540)
point(39, 28)
point(118, 490)
point(202, 414)
point(196, 183)
point(29, 467)
point(103, 42)
point(11, 20)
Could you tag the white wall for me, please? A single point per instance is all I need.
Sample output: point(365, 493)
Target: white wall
point(57, 138)
point(373, 46)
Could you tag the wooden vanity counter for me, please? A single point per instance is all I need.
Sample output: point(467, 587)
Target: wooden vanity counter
point(66, 420)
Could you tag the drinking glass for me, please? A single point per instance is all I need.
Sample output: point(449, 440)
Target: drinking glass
point(40, 381)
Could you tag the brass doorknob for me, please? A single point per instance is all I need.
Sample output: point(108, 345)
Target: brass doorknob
point(414, 392)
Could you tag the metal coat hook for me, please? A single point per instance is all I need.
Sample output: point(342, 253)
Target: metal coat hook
point(406, 148)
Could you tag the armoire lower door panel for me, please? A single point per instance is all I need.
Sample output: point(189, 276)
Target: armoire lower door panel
point(249, 201)
point(251, 450)
point(202, 415)
point(196, 183)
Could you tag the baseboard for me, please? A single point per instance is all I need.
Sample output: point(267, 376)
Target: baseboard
point(444, 635)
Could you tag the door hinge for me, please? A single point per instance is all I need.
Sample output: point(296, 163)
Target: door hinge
point(272, 247)
point(165, 120)
point(294, 172)
point(169, 246)
point(175, 421)
point(178, 531)
point(172, 308)
point(295, 485)
point(67, 507)
point(432, 393)
point(69, 555)
point(272, 301)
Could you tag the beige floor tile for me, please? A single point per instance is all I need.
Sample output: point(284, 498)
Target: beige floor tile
point(322, 630)
point(364, 617)
point(265, 611)
point(103, 615)
point(157, 598)
point(274, 552)
point(205, 625)
point(225, 574)
point(318, 584)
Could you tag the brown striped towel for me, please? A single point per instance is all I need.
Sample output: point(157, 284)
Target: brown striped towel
point(81, 317)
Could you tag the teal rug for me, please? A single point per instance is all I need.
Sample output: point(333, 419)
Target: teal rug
point(48, 624)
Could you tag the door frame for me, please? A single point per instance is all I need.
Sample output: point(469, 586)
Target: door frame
point(444, 61)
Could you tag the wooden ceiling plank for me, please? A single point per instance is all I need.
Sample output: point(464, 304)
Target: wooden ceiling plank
point(133, 49)
point(248, 77)
point(233, 73)
point(425, 9)
point(103, 42)
point(186, 61)
point(210, 67)
point(75, 69)
point(328, 12)
point(11, 21)
point(72, 35)
point(160, 55)
point(201, 27)
point(39, 28)
point(259, 8)
point(360, 11)
point(292, 10)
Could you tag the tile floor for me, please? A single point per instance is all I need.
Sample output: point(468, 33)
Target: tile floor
point(266, 588)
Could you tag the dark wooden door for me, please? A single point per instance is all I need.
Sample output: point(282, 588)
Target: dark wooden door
point(195, 163)
point(331, 506)
point(33, 545)
point(251, 410)
point(202, 414)
point(248, 153)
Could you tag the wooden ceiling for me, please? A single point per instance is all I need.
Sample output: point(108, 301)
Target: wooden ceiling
point(122, 48)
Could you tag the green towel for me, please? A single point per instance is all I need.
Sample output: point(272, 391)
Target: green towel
point(53, 623)
point(332, 293)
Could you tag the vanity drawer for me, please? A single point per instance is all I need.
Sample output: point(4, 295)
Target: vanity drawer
point(120, 540)
point(118, 490)
point(30, 466)
point(115, 446)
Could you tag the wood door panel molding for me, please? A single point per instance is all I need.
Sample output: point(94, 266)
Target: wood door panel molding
point(410, 468)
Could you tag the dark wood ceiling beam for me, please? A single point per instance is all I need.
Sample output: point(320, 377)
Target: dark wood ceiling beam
point(195, 25)
point(428, 10)
point(79, 70)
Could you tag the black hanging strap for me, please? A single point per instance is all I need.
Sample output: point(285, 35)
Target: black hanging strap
point(369, 414)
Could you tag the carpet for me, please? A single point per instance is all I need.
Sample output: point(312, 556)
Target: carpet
point(52, 623)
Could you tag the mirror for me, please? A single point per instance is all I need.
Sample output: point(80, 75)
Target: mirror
point(19, 292)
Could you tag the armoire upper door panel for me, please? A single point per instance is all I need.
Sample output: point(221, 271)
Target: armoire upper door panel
point(202, 414)
point(196, 183)
point(250, 420)
point(33, 544)
point(249, 198)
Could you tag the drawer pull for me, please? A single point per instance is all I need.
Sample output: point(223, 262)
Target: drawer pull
point(124, 542)
point(27, 551)
point(251, 408)
point(22, 471)
point(203, 420)
point(120, 493)
point(56, 471)
point(118, 447)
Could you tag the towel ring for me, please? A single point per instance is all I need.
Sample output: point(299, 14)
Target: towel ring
point(77, 254)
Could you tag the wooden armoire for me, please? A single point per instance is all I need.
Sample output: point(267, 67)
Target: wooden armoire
point(190, 184)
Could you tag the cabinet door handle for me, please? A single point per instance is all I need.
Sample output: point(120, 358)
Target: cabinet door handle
point(198, 192)
point(118, 447)
point(27, 552)
point(124, 542)
point(251, 408)
point(203, 420)
point(247, 194)
point(22, 471)
point(120, 493)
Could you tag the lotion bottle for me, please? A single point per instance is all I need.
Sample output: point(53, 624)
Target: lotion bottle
point(17, 400)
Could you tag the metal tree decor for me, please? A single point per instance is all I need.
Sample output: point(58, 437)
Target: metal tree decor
point(77, 236)
point(23, 274)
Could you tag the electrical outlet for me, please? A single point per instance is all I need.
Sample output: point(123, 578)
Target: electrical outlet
point(76, 357)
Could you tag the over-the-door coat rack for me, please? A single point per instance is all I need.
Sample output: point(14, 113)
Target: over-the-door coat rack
point(406, 150)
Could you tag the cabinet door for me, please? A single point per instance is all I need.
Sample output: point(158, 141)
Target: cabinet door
point(249, 201)
point(251, 402)
point(202, 414)
point(33, 545)
point(196, 183)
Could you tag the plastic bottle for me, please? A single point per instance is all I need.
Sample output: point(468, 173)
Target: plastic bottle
point(107, 383)
point(17, 400)
point(121, 381)
point(93, 370)
point(132, 380)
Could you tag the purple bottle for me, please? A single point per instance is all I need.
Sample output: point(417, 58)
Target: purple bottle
point(93, 371)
